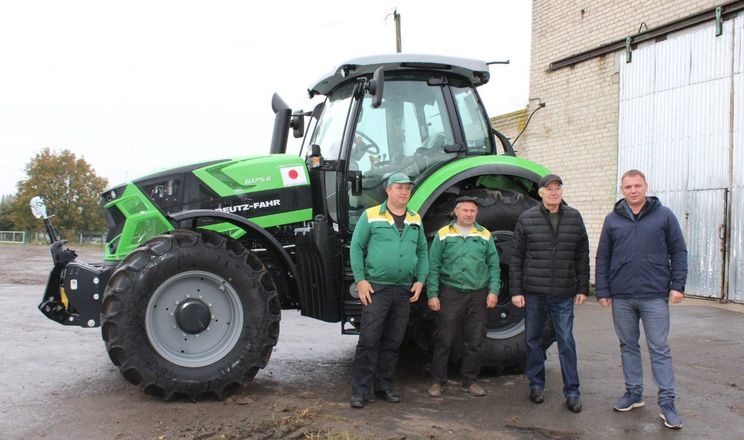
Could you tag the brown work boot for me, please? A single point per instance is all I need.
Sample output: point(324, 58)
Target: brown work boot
point(475, 390)
point(436, 389)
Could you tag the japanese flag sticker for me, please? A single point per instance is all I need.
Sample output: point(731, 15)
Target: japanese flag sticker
point(292, 176)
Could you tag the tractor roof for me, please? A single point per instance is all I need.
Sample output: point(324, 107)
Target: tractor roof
point(474, 70)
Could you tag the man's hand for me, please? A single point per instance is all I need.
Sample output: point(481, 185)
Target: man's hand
point(434, 304)
point(605, 302)
point(518, 301)
point(676, 297)
point(365, 292)
point(580, 298)
point(417, 287)
point(491, 300)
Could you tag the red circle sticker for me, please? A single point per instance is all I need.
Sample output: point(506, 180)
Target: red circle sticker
point(293, 174)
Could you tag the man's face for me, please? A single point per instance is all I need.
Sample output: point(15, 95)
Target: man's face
point(466, 212)
point(634, 190)
point(552, 194)
point(398, 194)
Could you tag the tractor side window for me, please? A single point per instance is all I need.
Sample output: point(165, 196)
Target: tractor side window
point(331, 196)
point(474, 121)
point(164, 193)
point(329, 134)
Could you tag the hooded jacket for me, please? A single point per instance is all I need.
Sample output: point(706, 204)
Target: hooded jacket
point(640, 256)
point(547, 261)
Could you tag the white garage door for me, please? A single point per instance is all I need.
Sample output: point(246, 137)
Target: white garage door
point(681, 124)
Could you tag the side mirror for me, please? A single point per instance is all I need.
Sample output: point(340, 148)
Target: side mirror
point(297, 124)
point(38, 208)
point(376, 86)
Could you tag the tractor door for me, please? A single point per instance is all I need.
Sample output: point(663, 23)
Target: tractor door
point(319, 249)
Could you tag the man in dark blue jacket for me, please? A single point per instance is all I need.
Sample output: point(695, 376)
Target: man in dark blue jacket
point(641, 267)
point(548, 274)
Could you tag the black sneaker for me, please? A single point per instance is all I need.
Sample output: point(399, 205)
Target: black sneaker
point(357, 401)
point(574, 404)
point(536, 395)
point(387, 396)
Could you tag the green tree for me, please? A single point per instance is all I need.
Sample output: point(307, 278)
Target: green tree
point(6, 207)
point(70, 188)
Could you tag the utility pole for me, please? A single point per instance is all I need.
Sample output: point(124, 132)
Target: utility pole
point(398, 44)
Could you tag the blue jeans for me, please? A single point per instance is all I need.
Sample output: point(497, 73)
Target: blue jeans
point(654, 314)
point(561, 311)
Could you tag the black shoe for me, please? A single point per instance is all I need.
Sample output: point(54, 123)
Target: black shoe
point(357, 401)
point(387, 396)
point(536, 395)
point(574, 404)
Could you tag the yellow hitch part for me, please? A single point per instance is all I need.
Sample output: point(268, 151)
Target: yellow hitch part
point(63, 297)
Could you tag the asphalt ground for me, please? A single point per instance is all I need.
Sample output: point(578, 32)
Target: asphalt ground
point(58, 383)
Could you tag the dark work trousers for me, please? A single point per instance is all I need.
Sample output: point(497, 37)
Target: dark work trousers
point(460, 311)
point(383, 327)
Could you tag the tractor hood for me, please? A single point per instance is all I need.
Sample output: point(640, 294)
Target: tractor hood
point(270, 191)
point(254, 174)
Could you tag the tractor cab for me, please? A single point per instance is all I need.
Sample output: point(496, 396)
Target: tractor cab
point(400, 117)
point(381, 115)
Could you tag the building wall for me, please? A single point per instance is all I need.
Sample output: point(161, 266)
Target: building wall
point(575, 134)
point(511, 125)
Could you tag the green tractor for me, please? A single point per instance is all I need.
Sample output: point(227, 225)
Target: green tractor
point(200, 260)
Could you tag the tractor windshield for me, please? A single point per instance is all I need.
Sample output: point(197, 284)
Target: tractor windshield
point(414, 131)
point(423, 122)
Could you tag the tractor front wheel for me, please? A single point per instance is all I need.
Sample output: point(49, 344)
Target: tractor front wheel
point(190, 314)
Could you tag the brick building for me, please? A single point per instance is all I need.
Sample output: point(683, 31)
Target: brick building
point(648, 85)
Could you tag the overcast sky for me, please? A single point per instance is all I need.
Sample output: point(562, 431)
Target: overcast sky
point(133, 86)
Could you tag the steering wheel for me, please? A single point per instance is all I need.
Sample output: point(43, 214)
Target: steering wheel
point(368, 146)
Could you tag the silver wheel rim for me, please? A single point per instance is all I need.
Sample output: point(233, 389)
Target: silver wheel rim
point(208, 346)
point(507, 331)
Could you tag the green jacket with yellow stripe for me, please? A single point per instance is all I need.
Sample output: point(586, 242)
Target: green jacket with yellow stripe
point(380, 254)
point(463, 263)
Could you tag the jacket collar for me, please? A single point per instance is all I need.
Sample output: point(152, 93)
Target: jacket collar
point(545, 211)
point(384, 209)
point(476, 226)
point(622, 207)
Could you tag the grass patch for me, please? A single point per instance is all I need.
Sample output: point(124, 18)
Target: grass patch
point(304, 424)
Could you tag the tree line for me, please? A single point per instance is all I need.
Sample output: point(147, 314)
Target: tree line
point(70, 188)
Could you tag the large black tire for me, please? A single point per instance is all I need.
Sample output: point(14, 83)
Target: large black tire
point(505, 344)
point(504, 347)
point(190, 314)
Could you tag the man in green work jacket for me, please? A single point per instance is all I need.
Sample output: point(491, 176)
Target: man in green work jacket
point(463, 282)
point(389, 261)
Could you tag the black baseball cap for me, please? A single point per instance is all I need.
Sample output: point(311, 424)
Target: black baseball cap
point(467, 199)
point(549, 178)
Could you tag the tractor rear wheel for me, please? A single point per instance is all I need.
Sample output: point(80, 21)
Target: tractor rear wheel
point(190, 314)
point(504, 346)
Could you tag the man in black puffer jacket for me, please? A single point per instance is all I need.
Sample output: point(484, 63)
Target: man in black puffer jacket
point(548, 273)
